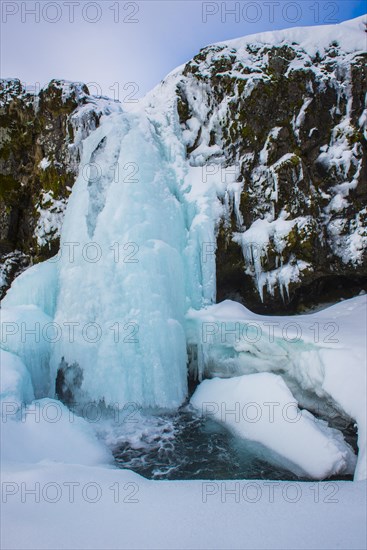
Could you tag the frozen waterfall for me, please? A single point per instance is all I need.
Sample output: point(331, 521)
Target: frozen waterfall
point(129, 268)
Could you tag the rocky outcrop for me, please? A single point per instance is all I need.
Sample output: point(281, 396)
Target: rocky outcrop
point(292, 125)
point(41, 140)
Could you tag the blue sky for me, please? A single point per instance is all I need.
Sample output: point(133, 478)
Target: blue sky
point(113, 43)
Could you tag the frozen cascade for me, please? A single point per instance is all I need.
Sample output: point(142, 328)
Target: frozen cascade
point(135, 292)
point(128, 270)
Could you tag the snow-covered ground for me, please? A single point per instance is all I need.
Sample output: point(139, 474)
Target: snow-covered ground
point(133, 513)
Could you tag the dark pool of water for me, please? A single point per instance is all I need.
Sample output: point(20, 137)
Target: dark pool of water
point(192, 447)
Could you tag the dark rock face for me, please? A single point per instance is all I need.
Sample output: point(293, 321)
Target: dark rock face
point(293, 127)
point(68, 381)
point(40, 146)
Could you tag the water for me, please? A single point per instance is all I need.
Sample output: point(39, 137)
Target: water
point(185, 446)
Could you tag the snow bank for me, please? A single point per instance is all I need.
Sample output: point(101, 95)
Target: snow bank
point(349, 35)
point(47, 431)
point(118, 509)
point(260, 407)
point(323, 353)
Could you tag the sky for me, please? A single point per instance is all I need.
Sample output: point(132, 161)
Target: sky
point(124, 48)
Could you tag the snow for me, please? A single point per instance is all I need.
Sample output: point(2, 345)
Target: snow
point(324, 352)
point(130, 512)
point(68, 89)
point(59, 491)
point(301, 115)
point(311, 39)
point(260, 407)
point(255, 242)
point(44, 163)
point(15, 260)
point(349, 247)
point(51, 214)
point(48, 432)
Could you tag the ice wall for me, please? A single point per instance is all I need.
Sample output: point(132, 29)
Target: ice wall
point(125, 284)
point(130, 265)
